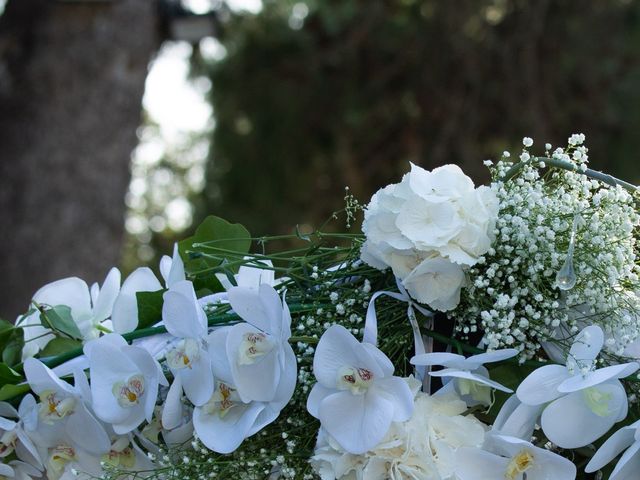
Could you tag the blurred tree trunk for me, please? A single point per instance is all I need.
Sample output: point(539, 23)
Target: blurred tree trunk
point(71, 82)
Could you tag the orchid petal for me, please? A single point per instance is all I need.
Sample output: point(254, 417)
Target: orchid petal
point(475, 361)
point(197, 381)
point(338, 348)
point(541, 386)
point(580, 382)
point(316, 396)
point(569, 422)
point(224, 435)
point(357, 422)
point(41, 378)
point(610, 449)
point(476, 464)
point(257, 381)
point(181, 313)
point(449, 372)
point(172, 409)
point(586, 346)
point(445, 359)
point(397, 391)
point(247, 304)
point(628, 466)
point(84, 429)
point(125, 308)
point(107, 295)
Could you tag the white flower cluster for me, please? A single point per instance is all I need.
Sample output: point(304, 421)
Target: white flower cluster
point(429, 229)
point(421, 448)
point(227, 384)
point(563, 258)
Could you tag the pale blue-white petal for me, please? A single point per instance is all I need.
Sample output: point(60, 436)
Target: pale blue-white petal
point(450, 372)
point(125, 308)
point(257, 381)
point(176, 271)
point(225, 434)
point(246, 303)
point(197, 381)
point(397, 391)
point(317, 394)
point(477, 464)
point(217, 341)
point(87, 432)
point(628, 466)
point(587, 345)
point(181, 313)
point(107, 295)
point(580, 382)
point(383, 361)
point(614, 445)
point(338, 348)
point(172, 408)
point(445, 359)
point(541, 386)
point(72, 292)
point(476, 361)
point(357, 422)
point(569, 422)
point(40, 378)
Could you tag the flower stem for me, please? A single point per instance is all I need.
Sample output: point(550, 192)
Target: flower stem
point(554, 162)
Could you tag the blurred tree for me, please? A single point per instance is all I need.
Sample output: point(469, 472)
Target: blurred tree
point(316, 95)
point(71, 82)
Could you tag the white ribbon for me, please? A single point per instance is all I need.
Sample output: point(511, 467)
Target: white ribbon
point(371, 327)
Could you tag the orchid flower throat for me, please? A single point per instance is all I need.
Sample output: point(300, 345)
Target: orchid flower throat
point(121, 454)
point(58, 459)
point(129, 393)
point(519, 464)
point(53, 407)
point(8, 442)
point(224, 398)
point(358, 380)
point(254, 345)
point(598, 401)
point(184, 354)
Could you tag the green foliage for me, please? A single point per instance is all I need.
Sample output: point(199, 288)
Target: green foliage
point(59, 319)
point(149, 308)
point(8, 375)
point(215, 242)
point(8, 392)
point(11, 343)
point(58, 346)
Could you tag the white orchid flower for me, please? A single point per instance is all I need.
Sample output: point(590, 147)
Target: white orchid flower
point(17, 470)
point(124, 382)
point(627, 438)
point(511, 458)
point(583, 402)
point(226, 420)
point(258, 349)
point(470, 378)
point(125, 309)
point(15, 429)
point(66, 462)
point(90, 307)
point(64, 409)
point(188, 359)
point(356, 397)
point(250, 276)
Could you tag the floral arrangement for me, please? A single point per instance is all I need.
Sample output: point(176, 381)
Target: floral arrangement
point(470, 333)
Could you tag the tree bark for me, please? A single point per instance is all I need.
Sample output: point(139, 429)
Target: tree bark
point(71, 83)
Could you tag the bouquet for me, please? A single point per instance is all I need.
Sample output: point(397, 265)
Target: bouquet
point(469, 333)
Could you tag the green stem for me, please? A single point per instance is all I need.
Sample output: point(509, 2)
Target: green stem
point(554, 162)
point(213, 320)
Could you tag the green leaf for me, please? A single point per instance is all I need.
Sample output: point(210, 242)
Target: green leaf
point(227, 241)
point(60, 319)
point(8, 375)
point(149, 308)
point(58, 346)
point(11, 342)
point(12, 348)
point(7, 392)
